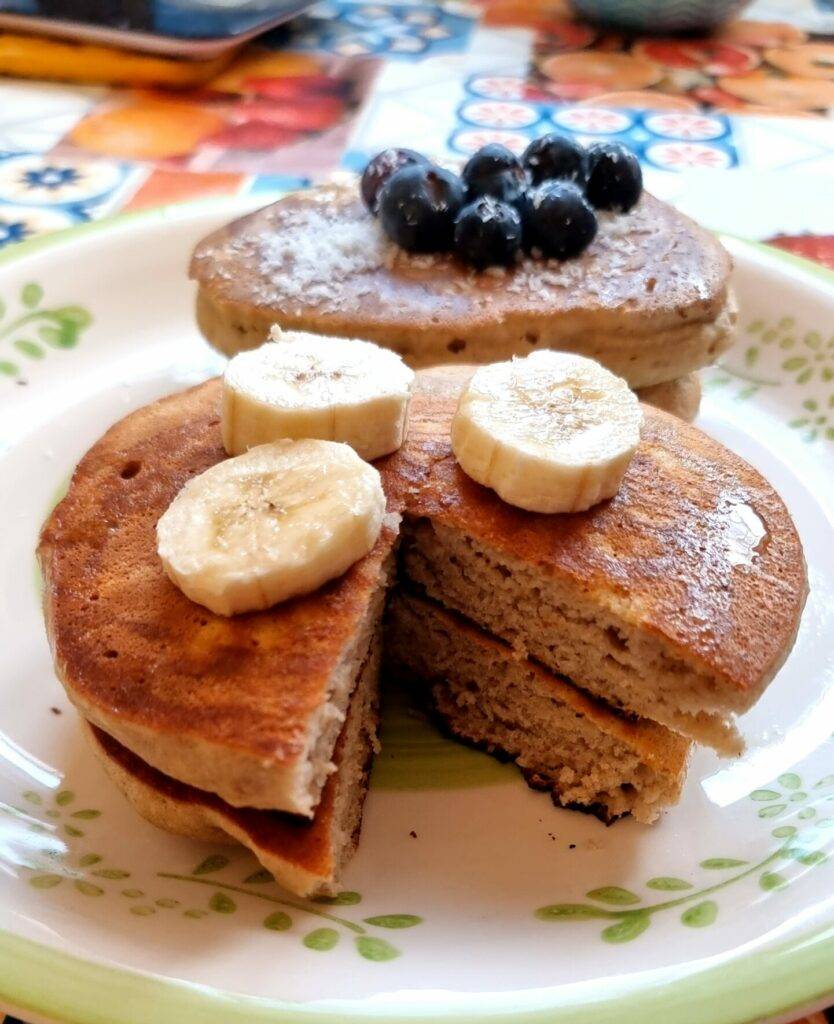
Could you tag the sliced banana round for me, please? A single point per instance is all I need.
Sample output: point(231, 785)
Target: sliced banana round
point(550, 433)
point(305, 385)
point(271, 524)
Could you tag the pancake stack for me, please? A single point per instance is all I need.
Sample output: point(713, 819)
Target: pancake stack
point(649, 298)
point(591, 648)
point(260, 726)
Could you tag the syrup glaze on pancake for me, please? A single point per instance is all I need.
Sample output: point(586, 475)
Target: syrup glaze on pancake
point(318, 259)
point(696, 548)
point(148, 665)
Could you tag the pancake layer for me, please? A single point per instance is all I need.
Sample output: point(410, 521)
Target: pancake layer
point(677, 600)
point(305, 857)
point(577, 748)
point(247, 707)
point(649, 298)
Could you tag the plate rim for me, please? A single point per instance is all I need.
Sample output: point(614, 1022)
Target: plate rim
point(757, 984)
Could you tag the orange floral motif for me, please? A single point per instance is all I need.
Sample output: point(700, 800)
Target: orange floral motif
point(745, 67)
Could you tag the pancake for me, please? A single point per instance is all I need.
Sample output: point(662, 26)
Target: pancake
point(649, 298)
point(677, 600)
point(305, 857)
point(576, 748)
point(247, 707)
point(681, 397)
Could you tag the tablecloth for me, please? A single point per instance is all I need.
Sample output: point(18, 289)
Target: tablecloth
point(736, 129)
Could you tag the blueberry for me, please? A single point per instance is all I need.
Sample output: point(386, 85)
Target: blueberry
point(494, 171)
point(561, 222)
point(615, 180)
point(488, 233)
point(380, 169)
point(555, 156)
point(418, 205)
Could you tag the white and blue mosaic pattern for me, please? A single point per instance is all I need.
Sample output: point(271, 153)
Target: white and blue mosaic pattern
point(498, 109)
point(393, 30)
point(40, 192)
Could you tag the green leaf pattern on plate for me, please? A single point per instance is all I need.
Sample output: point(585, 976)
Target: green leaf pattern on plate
point(321, 939)
point(627, 914)
point(634, 923)
point(696, 911)
point(780, 355)
point(57, 327)
point(372, 948)
point(216, 862)
point(701, 915)
point(613, 894)
point(668, 884)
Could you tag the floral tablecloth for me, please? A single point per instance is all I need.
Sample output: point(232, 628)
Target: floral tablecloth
point(736, 129)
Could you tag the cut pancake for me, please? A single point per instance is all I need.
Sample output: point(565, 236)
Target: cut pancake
point(677, 600)
point(305, 857)
point(681, 397)
point(565, 742)
point(649, 298)
point(248, 707)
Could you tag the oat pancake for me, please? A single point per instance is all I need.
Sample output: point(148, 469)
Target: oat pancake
point(303, 856)
point(247, 707)
point(580, 750)
point(681, 397)
point(677, 600)
point(649, 298)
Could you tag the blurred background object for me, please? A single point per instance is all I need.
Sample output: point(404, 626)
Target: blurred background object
point(199, 29)
point(659, 15)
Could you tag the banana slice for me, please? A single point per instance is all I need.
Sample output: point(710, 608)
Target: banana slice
point(278, 521)
point(304, 385)
point(550, 433)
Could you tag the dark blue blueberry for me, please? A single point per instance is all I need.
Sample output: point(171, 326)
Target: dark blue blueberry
point(494, 171)
point(560, 221)
point(615, 179)
point(488, 233)
point(418, 205)
point(380, 169)
point(555, 157)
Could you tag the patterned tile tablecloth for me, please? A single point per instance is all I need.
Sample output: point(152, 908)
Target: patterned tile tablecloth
point(736, 129)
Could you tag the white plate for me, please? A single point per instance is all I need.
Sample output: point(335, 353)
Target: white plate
point(723, 912)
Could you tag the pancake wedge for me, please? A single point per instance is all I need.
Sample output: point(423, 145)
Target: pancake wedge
point(676, 600)
point(305, 857)
point(247, 707)
point(576, 748)
point(649, 298)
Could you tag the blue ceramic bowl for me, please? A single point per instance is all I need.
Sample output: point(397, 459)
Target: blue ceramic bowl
point(659, 15)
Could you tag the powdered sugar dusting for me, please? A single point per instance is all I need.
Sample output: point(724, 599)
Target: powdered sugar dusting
point(321, 250)
point(314, 252)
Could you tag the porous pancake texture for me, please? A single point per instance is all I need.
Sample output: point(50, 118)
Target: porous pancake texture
point(577, 748)
point(676, 600)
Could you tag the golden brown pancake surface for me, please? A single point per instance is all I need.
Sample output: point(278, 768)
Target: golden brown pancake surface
point(132, 648)
point(696, 547)
point(322, 262)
